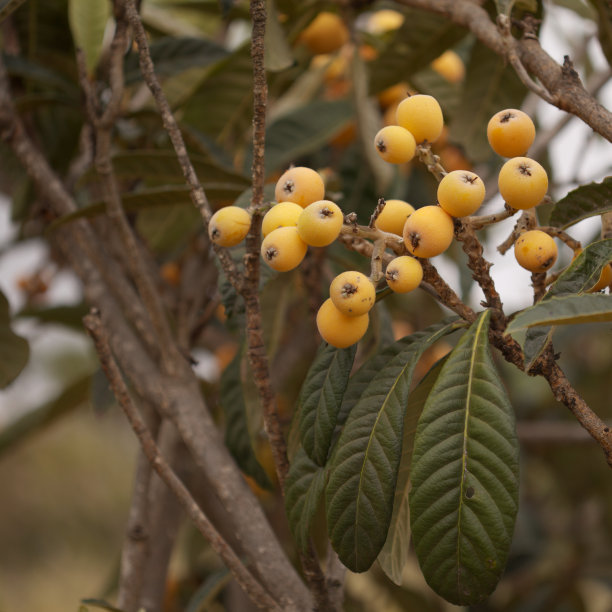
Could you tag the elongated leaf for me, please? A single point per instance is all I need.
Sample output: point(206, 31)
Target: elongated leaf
point(71, 398)
point(277, 52)
point(321, 397)
point(581, 203)
point(490, 85)
point(302, 131)
point(579, 276)
point(365, 462)
point(70, 316)
point(395, 552)
point(14, 350)
point(9, 6)
point(421, 39)
point(173, 55)
point(208, 591)
point(237, 437)
point(303, 493)
point(565, 310)
point(464, 495)
point(88, 20)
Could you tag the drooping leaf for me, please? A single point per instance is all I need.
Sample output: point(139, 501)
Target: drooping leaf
point(9, 6)
point(365, 461)
point(14, 350)
point(464, 474)
point(303, 493)
point(172, 55)
point(237, 436)
point(206, 593)
point(301, 131)
point(320, 399)
point(582, 273)
point(565, 310)
point(88, 20)
point(70, 316)
point(395, 552)
point(422, 38)
point(581, 203)
point(490, 85)
point(277, 52)
point(35, 420)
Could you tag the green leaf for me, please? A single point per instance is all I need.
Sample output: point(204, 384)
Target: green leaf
point(70, 316)
point(168, 229)
point(205, 594)
point(277, 52)
point(581, 203)
point(464, 495)
point(302, 131)
point(490, 85)
point(365, 461)
point(565, 310)
point(604, 26)
point(71, 398)
point(303, 493)
point(9, 6)
point(395, 552)
point(237, 436)
point(88, 19)
point(321, 397)
point(14, 350)
point(536, 340)
point(173, 55)
point(422, 38)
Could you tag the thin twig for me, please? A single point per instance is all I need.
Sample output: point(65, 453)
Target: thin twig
point(256, 592)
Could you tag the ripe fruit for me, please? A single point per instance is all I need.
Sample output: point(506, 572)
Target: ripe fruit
point(282, 214)
point(404, 274)
point(395, 144)
point(450, 66)
point(352, 293)
point(283, 249)
point(385, 20)
point(320, 223)
point(428, 231)
point(393, 95)
point(229, 226)
point(421, 115)
point(393, 216)
point(510, 132)
point(326, 33)
point(461, 193)
point(338, 329)
point(300, 185)
point(605, 279)
point(522, 182)
point(535, 251)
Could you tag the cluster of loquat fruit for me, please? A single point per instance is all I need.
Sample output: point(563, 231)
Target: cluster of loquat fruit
point(302, 217)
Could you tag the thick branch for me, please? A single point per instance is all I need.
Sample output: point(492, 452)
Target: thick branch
point(255, 591)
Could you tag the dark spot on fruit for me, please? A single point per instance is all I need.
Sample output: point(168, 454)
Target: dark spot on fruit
point(326, 212)
point(467, 178)
point(215, 233)
point(506, 117)
point(381, 146)
point(524, 169)
point(415, 239)
point(289, 186)
point(348, 289)
point(271, 253)
point(392, 275)
point(549, 262)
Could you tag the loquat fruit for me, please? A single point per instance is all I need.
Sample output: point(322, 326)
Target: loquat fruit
point(320, 223)
point(535, 251)
point(229, 226)
point(393, 216)
point(283, 249)
point(428, 231)
point(385, 20)
point(338, 329)
point(282, 214)
point(605, 279)
point(461, 192)
point(404, 274)
point(326, 33)
point(422, 116)
point(395, 144)
point(510, 132)
point(300, 185)
point(450, 66)
point(352, 293)
point(522, 182)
